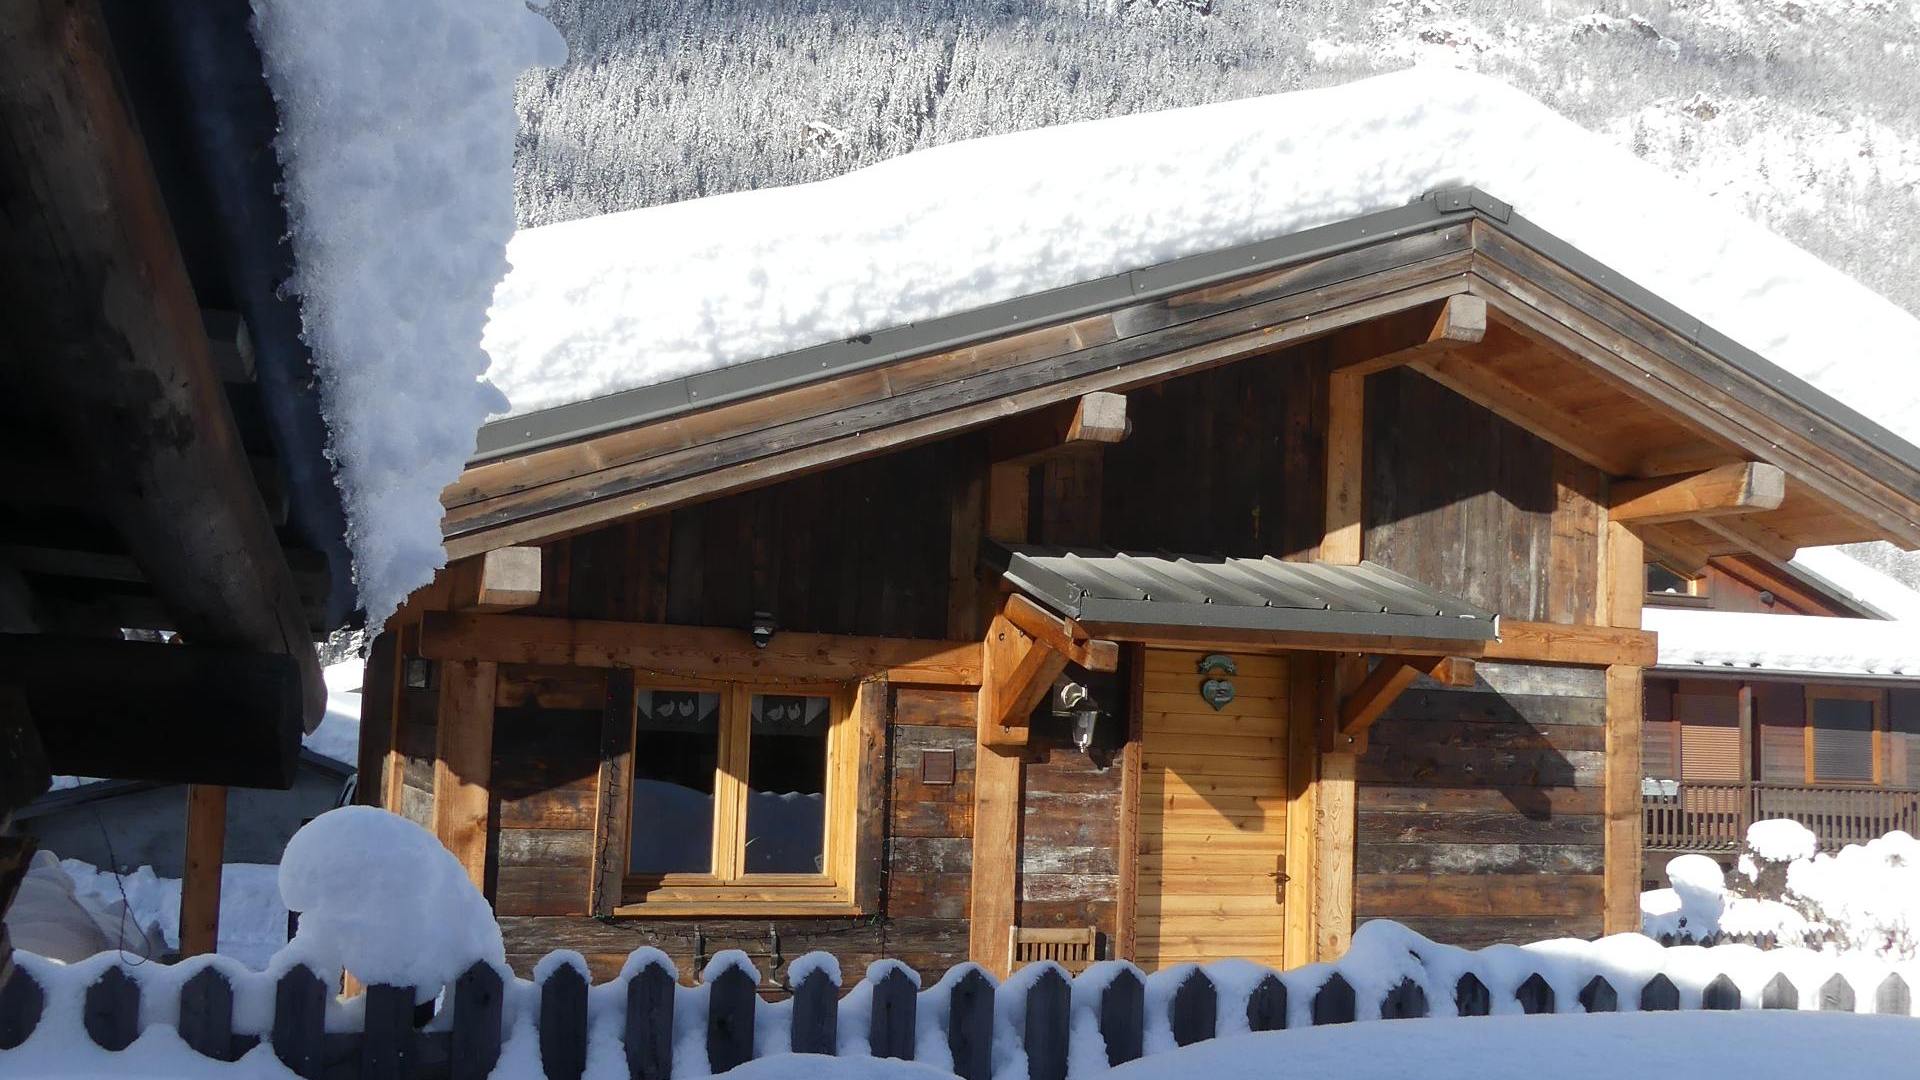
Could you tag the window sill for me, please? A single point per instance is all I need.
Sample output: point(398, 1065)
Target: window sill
point(772, 907)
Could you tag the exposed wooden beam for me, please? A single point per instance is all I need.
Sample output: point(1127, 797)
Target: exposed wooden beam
point(1672, 551)
point(1463, 374)
point(1382, 686)
point(1557, 643)
point(141, 710)
point(699, 652)
point(1016, 671)
point(1741, 488)
point(97, 291)
point(504, 579)
point(1623, 582)
point(1461, 321)
point(1062, 635)
point(1086, 423)
point(1751, 536)
point(206, 841)
point(1342, 539)
point(463, 763)
point(1335, 811)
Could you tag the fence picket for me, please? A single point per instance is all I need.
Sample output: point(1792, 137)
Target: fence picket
point(970, 1026)
point(475, 1046)
point(386, 1045)
point(1406, 1001)
point(648, 1033)
point(206, 1015)
point(112, 1014)
point(1780, 993)
point(1599, 996)
point(1049, 1000)
point(1334, 1003)
point(890, 1030)
point(1123, 1017)
point(1893, 998)
point(21, 1003)
point(1836, 995)
point(1535, 995)
point(1195, 1009)
point(1267, 1005)
point(299, 1022)
point(730, 1001)
point(1471, 997)
point(1659, 995)
point(563, 1023)
point(1720, 994)
point(816, 1015)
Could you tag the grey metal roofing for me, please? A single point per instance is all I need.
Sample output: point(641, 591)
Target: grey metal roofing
point(1242, 594)
point(565, 423)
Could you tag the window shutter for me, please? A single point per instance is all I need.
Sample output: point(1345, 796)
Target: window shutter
point(1656, 751)
point(1710, 754)
point(1843, 739)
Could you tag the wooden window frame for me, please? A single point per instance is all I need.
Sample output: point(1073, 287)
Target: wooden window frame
point(729, 889)
point(1878, 698)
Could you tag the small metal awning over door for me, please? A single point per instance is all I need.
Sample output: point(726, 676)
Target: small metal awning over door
point(1114, 590)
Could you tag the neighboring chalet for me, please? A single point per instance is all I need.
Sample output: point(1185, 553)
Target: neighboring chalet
point(1206, 611)
point(160, 431)
point(1779, 693)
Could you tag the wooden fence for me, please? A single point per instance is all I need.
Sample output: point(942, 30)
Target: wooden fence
point(397, 1041)
point(1690, 815)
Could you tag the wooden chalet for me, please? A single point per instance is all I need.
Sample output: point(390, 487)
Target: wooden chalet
point(160, 430)
point(1205, 611)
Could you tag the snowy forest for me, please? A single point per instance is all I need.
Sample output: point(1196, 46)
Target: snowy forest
point(1804, 113)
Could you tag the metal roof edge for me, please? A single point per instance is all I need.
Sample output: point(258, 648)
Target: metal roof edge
point(1729, 671)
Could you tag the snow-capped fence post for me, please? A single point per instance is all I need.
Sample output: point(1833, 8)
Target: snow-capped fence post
point(1267, 1005)
point(1836, 995)
point(206, 1014)
point(1123, 1017)
point(1659, 995)
point(970, 1026)
point(1471, 996)
point(475, 1046)
point(1720, 994)
point(387, 1037)
point(299, 1022)
point(649, 1023)
point(1334, 1003)
point(1195, 1009)
point(1599, 996)
point(730, 1002)
point(1535, 995)
point(21, 1003)
point(891, 1026)
point(112, 1013)
point(816, 1013)
point(1893, 998)
point(1780, 993)
point(1406, 1001)
point(563, 1023)
point(1049, 1004)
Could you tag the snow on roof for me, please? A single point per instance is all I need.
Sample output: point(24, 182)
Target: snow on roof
point(605, 304)
point(1834, 569)
point(1739, 641)
point(397, 136)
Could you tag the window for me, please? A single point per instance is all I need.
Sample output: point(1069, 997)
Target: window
point(742, 798)
point(1843, 735)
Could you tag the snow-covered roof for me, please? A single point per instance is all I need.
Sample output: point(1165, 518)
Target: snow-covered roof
point(1731, 642)
point(609, 304)
point(397, 132)
point(1840, 573)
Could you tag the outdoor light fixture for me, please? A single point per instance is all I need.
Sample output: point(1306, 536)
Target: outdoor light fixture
point(762, 628)
point(419, 673)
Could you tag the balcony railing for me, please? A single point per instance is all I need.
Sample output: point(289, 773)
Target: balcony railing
point(1691, 816)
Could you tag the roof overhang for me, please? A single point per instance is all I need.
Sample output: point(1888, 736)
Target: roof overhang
point(570, 468)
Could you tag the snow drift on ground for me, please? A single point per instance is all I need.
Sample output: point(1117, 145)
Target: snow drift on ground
point(1798, 644)
point(253, 921)
point(604, 304)
point(397, 136)
point(338, 736)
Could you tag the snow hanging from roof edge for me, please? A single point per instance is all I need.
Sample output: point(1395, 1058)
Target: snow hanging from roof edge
point(610, 303)
point(396, 139)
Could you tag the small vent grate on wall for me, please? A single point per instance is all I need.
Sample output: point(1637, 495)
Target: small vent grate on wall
point(1072, 949)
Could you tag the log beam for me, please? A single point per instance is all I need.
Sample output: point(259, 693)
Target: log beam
point(1740, 488)
point(1381, 686)
point(1086, 423)
point(1016, 671)
point(1461, 321)
point(1751, 536)
point(504, 579)
point(1062, 635)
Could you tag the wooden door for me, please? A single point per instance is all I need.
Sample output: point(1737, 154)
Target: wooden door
point(1213, 813)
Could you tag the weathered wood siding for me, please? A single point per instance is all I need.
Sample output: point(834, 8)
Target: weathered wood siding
point(546, 735)
point(417, 730)
point(1069, 844)
point(1479, 811)
point(1462, 500)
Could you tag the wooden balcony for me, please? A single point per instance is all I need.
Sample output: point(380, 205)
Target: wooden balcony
point(1690, 816)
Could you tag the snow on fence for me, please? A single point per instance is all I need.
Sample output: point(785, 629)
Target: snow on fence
point(1041, 1021)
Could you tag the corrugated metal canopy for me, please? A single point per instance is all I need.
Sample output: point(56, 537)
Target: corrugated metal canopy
point(1241, 594)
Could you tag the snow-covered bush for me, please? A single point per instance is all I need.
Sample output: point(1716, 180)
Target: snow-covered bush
point(1864, 899)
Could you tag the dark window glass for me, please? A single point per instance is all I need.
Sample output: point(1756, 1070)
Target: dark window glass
point(675, 748)
point(1662, 580)
point(787, 784)
point(1842, 739)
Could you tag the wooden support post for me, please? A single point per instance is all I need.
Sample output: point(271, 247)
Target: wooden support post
point(463, 762)
point(1743, 712)
point(1740, 488)
point(1334, 810)
point(504, 579)
point(996, 858)
point(1623, 588)
point(1346, 459)
point(1127, 889)
point(967, 524)
point(200, 881)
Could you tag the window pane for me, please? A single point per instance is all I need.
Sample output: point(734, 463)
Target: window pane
point(787, 785)
point(1842, 739)
point(675, 748)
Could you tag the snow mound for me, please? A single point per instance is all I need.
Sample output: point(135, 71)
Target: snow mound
point(1781, 840)
point(380, 897)
point(605, 304)
point(397, 136)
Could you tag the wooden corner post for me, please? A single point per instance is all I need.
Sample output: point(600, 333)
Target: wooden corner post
point(1623, 588)
point(1343, 541)
point(463, 762)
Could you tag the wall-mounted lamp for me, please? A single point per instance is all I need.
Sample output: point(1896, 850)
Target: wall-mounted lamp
point(762, 628)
